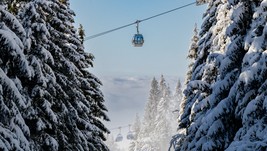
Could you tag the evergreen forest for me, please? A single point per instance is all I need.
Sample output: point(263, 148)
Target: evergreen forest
point(51, 101)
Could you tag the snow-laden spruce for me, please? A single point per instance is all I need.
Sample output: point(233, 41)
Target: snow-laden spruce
point(224, 105)
point(67, 104)
point(14, 71)
point(135, 145)
point(48, 98)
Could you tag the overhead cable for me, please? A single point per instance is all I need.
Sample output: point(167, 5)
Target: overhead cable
point(138, 21)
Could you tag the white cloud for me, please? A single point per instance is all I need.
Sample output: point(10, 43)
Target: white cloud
point(125, 93)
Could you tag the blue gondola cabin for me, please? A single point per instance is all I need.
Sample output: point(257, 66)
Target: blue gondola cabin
point(138, 40)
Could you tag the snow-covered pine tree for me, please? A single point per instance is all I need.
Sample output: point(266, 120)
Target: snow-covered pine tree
point(197, 88)
point(14, 71)
point(151, 110)
point(163, 129)
point(210, 108)
point(81, 33)
point(177, 96)
point(137, 126)
point(135, 144)
point(67, 104)
point(148, 124)
point(162, 85)
point(192, 54)
point(174, 106)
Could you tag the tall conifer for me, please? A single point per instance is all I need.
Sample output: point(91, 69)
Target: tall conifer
point(221, 100)
point(67, 104)
point(14, 71)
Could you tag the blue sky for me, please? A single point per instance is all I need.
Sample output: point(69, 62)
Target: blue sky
point(127, 71)
point(167, 37)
